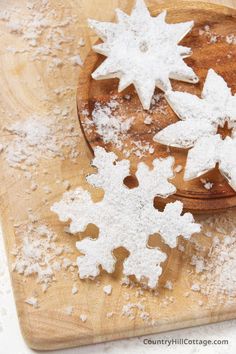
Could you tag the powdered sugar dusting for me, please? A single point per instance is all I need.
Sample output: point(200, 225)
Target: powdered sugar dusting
point(216, 268)
point(109, 125)
point(39, 254)
point(39, 137)
point(214, 37)
point(44, 34)
point(114, 124)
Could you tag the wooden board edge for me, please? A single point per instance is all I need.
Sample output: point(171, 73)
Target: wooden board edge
point(45, 343)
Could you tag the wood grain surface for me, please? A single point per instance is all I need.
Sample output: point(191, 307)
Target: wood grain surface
point(30, 87)
point(206, 54)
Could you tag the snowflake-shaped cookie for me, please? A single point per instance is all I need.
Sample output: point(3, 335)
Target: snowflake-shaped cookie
point(201, 118)
point(143, 51)
point(125, 217)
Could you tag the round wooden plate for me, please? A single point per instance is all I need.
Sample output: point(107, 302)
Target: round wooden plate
point(208, 40)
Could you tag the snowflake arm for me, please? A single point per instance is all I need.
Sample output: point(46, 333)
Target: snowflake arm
point(151, 186)
point(211, 92)
point(184, 134)
point(145, 264)
point(73, 207)
point(216, 105)
point(144, 51)
point(202, 157)
point(186, 105)
point(173, 224)
point(110, 172)
point(125, 217)
point(207, 153)
point(96, 253)
point(227, 161)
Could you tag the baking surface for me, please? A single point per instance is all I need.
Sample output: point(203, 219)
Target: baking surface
point(30, 86)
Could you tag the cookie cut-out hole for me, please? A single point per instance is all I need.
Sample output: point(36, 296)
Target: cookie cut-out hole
point(131, 182)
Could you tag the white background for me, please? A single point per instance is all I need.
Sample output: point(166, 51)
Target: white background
point(11, 341)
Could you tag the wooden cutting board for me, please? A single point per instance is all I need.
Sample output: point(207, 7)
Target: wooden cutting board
point(29, 86)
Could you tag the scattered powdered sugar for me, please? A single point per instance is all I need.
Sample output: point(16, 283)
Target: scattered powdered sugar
point(74, 290)
point(114, 126)
point(148, 120)
point(224, 271)
point(33, 301)
point(207, 184)
point(198, 262)
point(40, 137)
point(216, 268)
point(231, 39)
point(109, 125)
point(110, 314)
point(178, 168)
point(220, 269)
point(168, 285)
point(76, 60)
point(38, 254)
point(139, 149)
point(195, 287)
point(132, 309)
point(222, 224)
point(107, 289)
point(214, 37)
point(83, 317)
point(4, 15)
point(133, 214)
point(44, 34)
point(69, 310)
point(127, 309)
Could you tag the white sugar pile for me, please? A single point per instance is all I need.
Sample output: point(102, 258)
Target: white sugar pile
point(44, 33)
point(220, 268)
point(109, 125)
point(113, 127)
point(217, 269)
point(40, 137)
point(38, 254)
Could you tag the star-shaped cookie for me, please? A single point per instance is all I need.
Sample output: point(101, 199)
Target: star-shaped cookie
point(198, 128)
point(143, 50)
